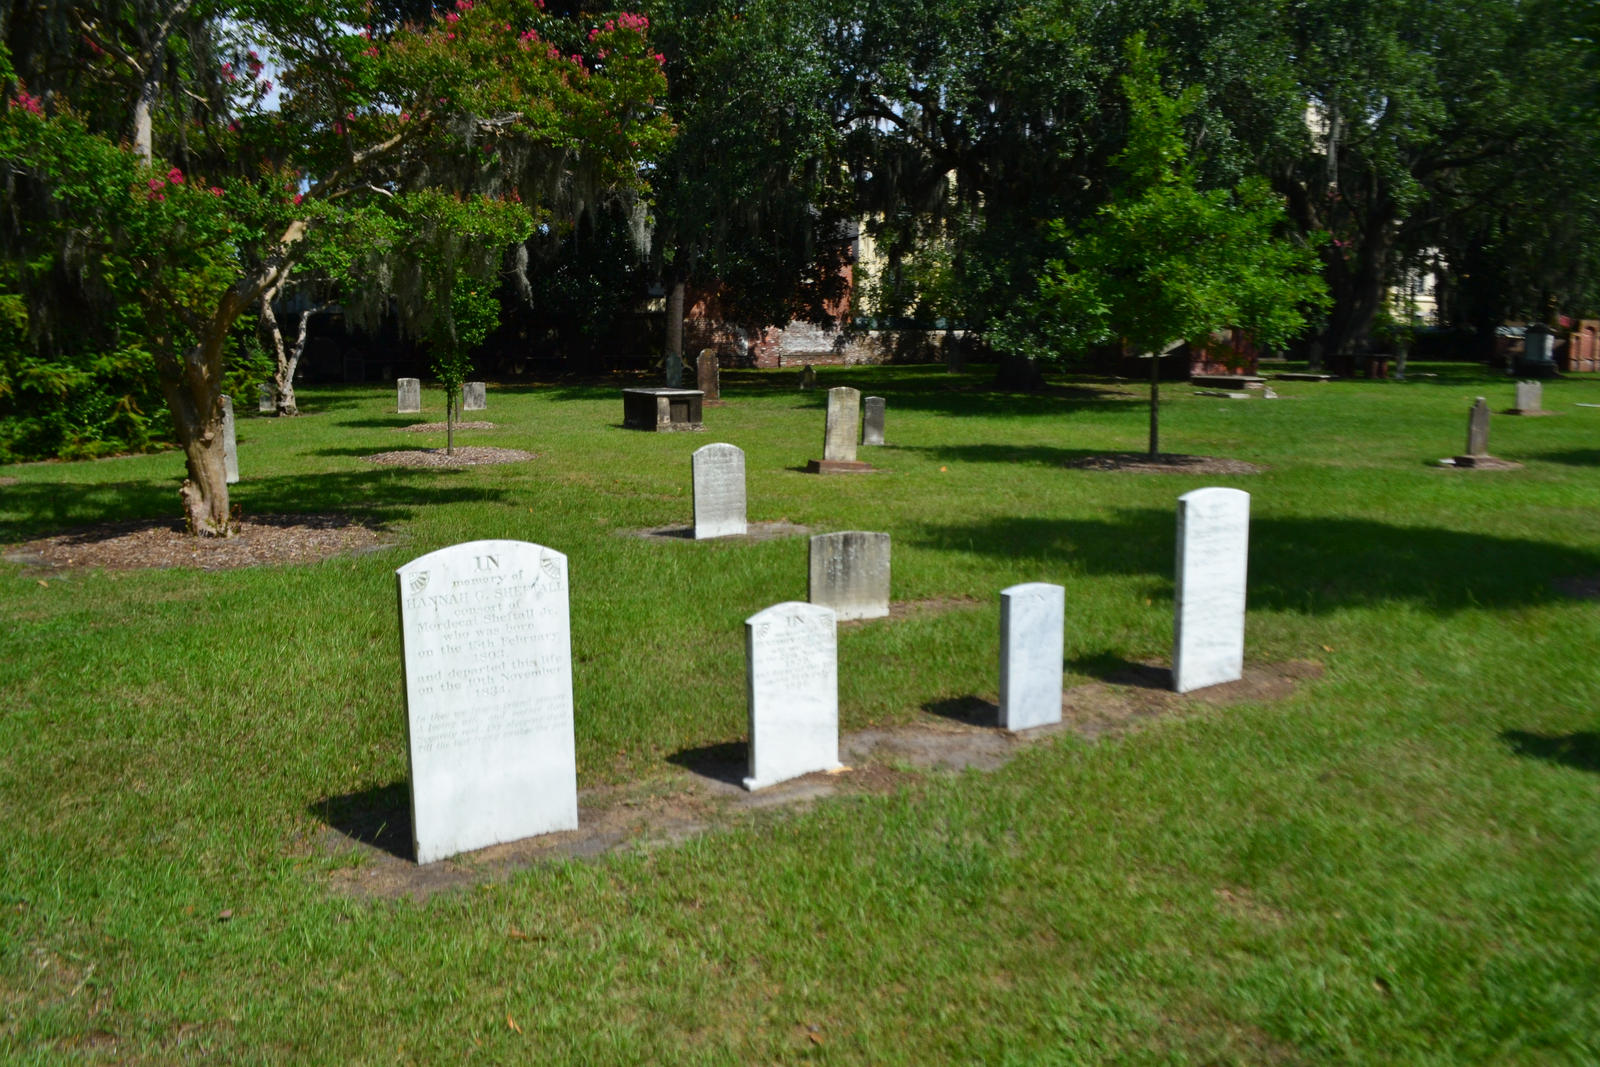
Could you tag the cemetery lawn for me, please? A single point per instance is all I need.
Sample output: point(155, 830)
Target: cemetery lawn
point(1399, 862)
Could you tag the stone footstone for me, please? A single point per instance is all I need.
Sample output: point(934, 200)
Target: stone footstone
point(487, 653)
point(408, 392)
point(792, 687)
point(1530, 399)
point(1032, 628)
point(1209, 600)
point(708, 374)
point(872, 420)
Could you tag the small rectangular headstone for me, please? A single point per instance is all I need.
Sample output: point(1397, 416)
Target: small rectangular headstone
point(1478, 429)
point(719, 501)
point(708, 374)
point(1213, 551)
point(844, 423)
point(808, 378)
point(408, 395)
point(474, 396)
point(872, 420)
point(849, 572)
point(1530, 398)
point(267, 404)
point(230, 444)
point(1032, 628)
point(792, 687)
point(487, 648)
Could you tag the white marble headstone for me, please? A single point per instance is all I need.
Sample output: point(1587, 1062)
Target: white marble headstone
point(267, 399)
point(872, 420)
point(719, 501)
point(1032, 628)
point(849, 572)
point(1530, 397)
point(408, 395)
point(1213, 551)
point(474, 396)
point(486, 642)
point(230, 443)
point(792, 679)
point(843, 425)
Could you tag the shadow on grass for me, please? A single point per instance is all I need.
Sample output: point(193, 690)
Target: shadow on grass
point(1580, 750)
point(1310, 565)
point(393, 422)
point(1113, 669)
point(381, 495)
point(1575, 457)
point(379, 817)
point(727, 762)
point(967, 710)
point(1033, 455)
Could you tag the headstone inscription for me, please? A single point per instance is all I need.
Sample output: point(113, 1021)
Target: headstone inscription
point(1530, 398)
point(1478, 429)
point(1032, 626)
point(230, 444)
point(872, 420)
point(408, 395)
point(474, 396)
point(267, 403)
point(849, 572)
point(719, 501)
point(1208, 624)
point(708, 374)
point(792, 687)
point(486, 644)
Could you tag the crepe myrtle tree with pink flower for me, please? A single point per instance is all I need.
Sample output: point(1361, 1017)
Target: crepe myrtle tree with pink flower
point(504, 115)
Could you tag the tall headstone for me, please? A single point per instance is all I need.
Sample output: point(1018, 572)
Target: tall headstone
point(674, 370)
point(872, 420)
point(230, 443)
point(267, 403)
point(408, 395)
point(843, 425)
point(486, 644)
point(1032, 628)
point(708, 374)
point(1213, 552)
point(1530, 398)
point(792, 687)
point(1478, 429)
point(849, 572)
point(719, 501)
point(474, 396)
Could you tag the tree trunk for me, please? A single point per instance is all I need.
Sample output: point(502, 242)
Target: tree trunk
point(1155, 404)
point(284, 361)
point(196, 402)
point(451, 389)
point(675, 334)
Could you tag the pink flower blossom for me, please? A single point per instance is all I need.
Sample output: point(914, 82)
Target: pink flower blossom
point(373, 51)
point(216, 190)
point(155, 196)
point(661, 60)
point(29, 103)
point(405, 116)
point(452, 18)
point(298, 197)
point(175, 176)
point(155, 183)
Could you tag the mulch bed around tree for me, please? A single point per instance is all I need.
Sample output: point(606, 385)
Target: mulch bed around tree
point(465, 456)
point(144, 543)
point(1163, 463)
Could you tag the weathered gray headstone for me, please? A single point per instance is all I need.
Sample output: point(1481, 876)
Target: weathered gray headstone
point(792, 686)
point(409, 395)
point(844, 424)
point(1032, 627)
point(474, 396)
point(708, 374)
point(1478, 429)
point(267, 404)
point(849, 573)
point(1530, 398)
point(486, 643)
point(674, 370)
point(230, 444)
point(719, 501)
point(872, 420)
point(1213, 557)
point(808, 378)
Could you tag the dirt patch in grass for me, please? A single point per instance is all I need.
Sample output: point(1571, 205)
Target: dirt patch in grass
point(8, 480)
point(144, 543)
point(755, 531)
point(1163, 463)
point(705, 792)
point(439, 427)
point(465, 456)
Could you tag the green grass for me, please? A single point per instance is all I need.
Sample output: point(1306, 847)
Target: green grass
point(1399, 864)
